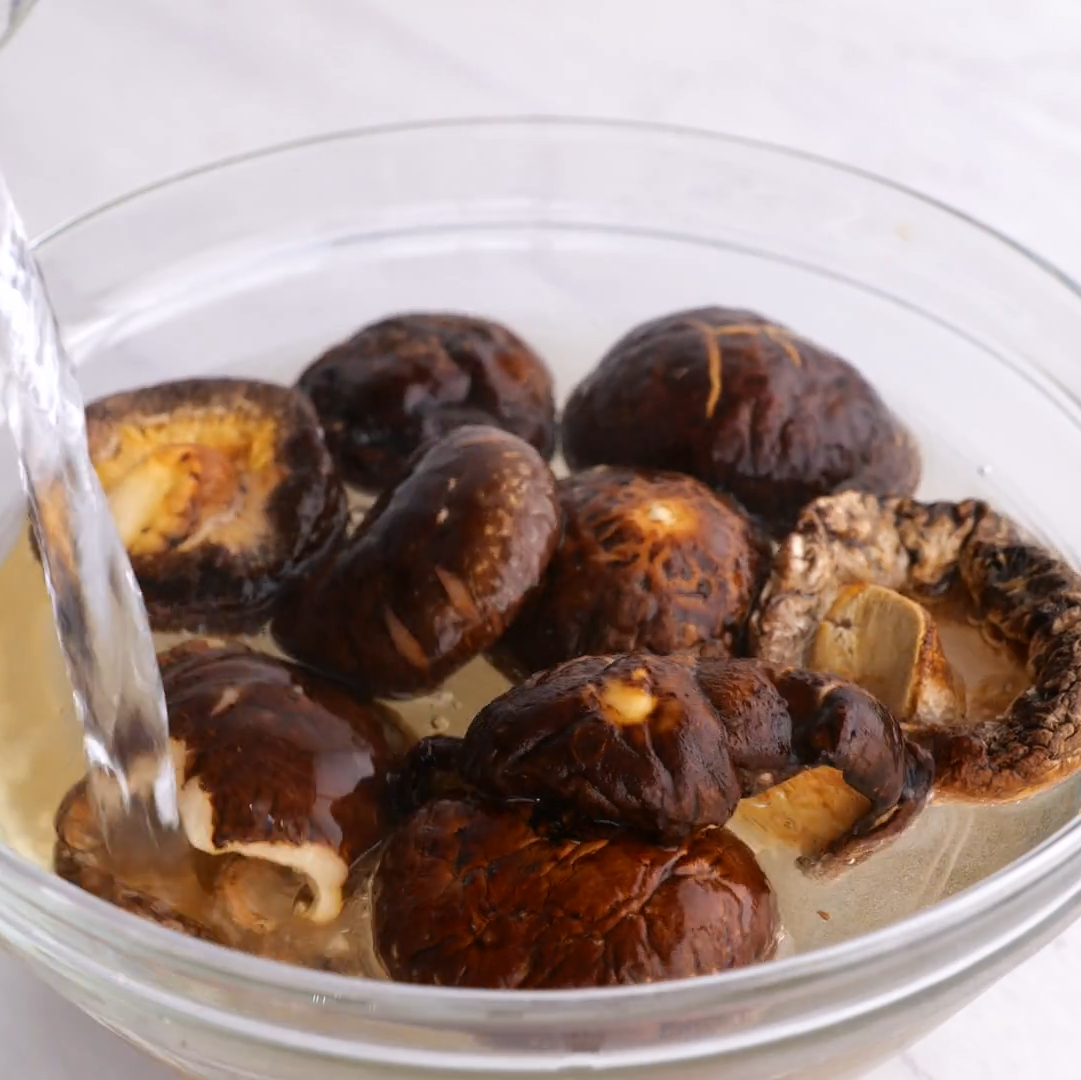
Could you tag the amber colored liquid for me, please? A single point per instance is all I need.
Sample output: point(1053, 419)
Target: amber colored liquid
point(948, 848)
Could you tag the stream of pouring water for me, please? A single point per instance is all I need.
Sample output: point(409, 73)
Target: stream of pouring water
point(97, 606)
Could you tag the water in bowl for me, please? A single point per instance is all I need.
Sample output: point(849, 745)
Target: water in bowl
point(950, 847)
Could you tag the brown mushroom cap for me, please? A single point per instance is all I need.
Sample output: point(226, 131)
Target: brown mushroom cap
point(276, 764)
point(745, 405)
point(468, 894)
point(666, 745)
point(651, 561)
point(223, 491)
point(409, 380)
point(431, 770)
point(436, 571)
point(1023, 593)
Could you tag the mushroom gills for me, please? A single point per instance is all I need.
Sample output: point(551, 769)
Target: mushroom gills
point(177, 481)
point(223, 493)
point(323, 869)
point(890, 645)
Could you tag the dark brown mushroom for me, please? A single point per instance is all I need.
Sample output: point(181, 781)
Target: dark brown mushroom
point(276, 764)
point(411, 379)
point(223, 492)
point(667, 745)
point(436, 571)
point(1021, 592)
point(745, 405)
point(648, 561)
point(468, 894)
point(431, 770)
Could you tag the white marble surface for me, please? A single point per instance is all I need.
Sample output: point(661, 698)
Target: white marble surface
point(975, 101)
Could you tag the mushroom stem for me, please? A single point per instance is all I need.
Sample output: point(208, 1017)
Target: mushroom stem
point(324, 870)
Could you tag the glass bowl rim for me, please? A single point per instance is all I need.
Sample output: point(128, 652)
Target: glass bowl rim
point(59, 897)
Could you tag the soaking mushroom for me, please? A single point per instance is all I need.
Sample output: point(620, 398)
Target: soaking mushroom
point(80, 856)
point(431, 770)
point(436, 571)
point(1020, 592)
point(649, 560)
point(222, 490)
point(405, 381)
point(278, 766)
point(744, 404)
point(666, 745)
point(469, 893)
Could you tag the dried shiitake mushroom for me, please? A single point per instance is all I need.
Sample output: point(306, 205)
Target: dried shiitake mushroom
point(408, 380)
point(278, 765)
point(223, 491)
point(436, 571)
point(431, 770)
point(472, 894)
point(666, 745)
point(1025, 595)
point(649, 560)
point(745, 405)
point(80, 856)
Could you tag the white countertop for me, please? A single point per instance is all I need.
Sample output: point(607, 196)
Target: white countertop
point(975, 101)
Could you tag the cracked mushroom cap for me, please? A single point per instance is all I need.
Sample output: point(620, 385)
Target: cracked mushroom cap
point(277, 765)
point(745, 405)
point(223, 492)
point(436, 571)
point(405, 381)
point(667, 745)
point(1024, 595)
point(648, 561)
point(471, 894)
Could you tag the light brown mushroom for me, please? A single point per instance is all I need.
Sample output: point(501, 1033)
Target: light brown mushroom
point(1022, 593)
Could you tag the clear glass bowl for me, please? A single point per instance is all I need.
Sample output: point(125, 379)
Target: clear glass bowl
point(571, 232)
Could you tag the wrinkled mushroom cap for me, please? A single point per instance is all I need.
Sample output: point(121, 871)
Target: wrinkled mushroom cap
point(470, 894)
point(744, 404)
point(1024, 594)
point(277, 765)
point(648, 561)
point(628, 739)
point(222, 490)
point(405, 381)
point(436, 571)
